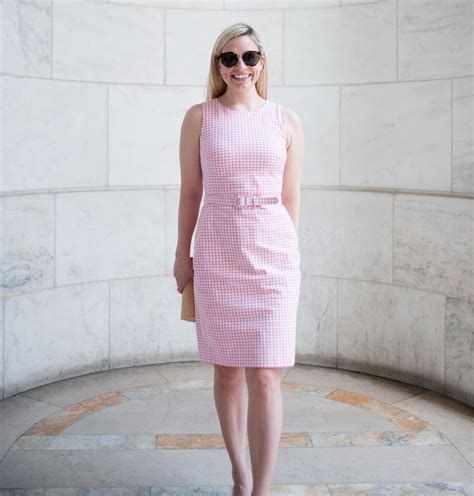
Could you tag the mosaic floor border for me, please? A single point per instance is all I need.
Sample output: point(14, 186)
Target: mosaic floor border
point(56, 423)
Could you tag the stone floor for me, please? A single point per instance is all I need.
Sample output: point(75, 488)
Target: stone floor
point(153, 430)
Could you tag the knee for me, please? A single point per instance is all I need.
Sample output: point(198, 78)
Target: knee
point(228, 375)
point(263, 379)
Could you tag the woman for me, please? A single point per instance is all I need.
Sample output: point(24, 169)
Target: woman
point(247, 152)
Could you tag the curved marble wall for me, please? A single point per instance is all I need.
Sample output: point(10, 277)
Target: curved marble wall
point(93, 97)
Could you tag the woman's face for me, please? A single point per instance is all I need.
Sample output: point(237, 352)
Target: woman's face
point(240, 45)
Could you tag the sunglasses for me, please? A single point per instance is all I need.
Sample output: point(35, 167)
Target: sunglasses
point(229, 59)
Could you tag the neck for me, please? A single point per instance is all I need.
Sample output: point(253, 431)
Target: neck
point(244, 99)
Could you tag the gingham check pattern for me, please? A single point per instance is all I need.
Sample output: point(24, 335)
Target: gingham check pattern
point(246, 252)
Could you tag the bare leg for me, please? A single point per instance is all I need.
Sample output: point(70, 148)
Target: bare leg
point(265, 423)
point(230, 396)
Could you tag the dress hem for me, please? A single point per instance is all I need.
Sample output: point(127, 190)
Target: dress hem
point(248, 366)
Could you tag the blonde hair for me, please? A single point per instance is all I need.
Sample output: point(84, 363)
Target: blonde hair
point(216, 86)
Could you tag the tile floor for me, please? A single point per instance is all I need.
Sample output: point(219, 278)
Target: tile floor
point(153, 430)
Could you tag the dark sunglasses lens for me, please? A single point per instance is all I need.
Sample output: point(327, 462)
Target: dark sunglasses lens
point(229, 59)
point(251, 58)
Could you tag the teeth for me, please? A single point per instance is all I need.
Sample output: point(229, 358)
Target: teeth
point(241, 76)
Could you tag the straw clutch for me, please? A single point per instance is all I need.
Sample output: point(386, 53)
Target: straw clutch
point(187, 302)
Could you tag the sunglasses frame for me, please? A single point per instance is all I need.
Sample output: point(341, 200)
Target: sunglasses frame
point(240, 56)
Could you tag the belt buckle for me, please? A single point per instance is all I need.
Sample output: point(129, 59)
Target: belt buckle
point(239, 201)
point(244, 201)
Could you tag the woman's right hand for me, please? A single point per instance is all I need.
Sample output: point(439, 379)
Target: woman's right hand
point(183, 271)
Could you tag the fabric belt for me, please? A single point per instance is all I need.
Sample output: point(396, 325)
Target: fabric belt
point(241, 200)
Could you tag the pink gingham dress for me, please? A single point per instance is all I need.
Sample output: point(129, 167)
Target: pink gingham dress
point(246, 256)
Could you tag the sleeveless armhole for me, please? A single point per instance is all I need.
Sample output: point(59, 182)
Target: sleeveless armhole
point(201, 132)
point(203, 118)
point(284, 126)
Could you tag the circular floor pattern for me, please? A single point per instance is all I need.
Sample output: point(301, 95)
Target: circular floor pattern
point(164, 439)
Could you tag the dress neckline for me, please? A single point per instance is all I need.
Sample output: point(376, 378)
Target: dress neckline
point(242, 111)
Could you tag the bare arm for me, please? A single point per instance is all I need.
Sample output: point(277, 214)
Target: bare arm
point(293, 166)
point(191, 180)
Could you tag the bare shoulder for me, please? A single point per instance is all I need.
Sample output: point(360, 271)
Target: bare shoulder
point(195, 110)
point(193, 117)
point(292, 123)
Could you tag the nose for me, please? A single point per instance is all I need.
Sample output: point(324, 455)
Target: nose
point(240, 63)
